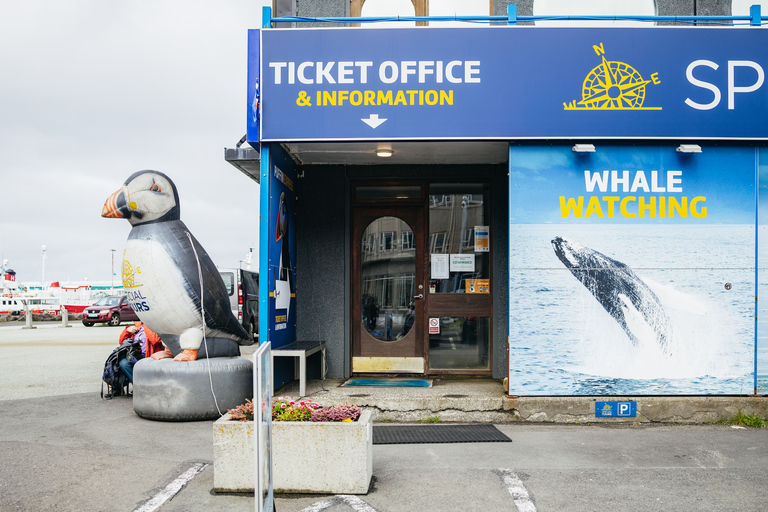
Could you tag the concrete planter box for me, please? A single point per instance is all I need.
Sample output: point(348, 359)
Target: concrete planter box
point(307, 457)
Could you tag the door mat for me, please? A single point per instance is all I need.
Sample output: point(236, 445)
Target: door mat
point(394, 383)
point(432, 434)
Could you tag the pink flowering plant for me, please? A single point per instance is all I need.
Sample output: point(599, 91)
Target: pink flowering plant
point(286, 409)
point(242, 412)
point(341, 412)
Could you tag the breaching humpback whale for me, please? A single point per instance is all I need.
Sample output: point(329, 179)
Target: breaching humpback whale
point(618, 289)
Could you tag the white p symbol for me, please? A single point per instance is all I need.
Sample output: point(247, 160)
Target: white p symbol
point(623, 408)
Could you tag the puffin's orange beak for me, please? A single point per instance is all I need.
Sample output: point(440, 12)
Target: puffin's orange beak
point(111, 209)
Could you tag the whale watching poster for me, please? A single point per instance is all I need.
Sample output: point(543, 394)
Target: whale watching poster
point(633, 271)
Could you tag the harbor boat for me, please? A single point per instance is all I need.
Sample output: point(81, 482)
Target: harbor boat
point(74, 297)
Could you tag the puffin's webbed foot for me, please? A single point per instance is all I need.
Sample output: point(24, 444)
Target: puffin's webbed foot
point(186, 355)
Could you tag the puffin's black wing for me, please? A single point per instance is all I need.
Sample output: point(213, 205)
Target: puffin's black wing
point(218, 311)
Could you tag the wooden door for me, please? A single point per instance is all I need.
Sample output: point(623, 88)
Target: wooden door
point(388, 289)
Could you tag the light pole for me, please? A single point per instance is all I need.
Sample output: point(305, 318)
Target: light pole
point(113, 270)
point(42, 277)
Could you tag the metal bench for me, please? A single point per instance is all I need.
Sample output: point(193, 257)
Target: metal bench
point(300, 350)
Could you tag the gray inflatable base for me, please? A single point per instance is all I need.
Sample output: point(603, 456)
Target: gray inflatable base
point(169, 390)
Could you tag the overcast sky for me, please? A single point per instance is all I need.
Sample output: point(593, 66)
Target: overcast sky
point(94, 90)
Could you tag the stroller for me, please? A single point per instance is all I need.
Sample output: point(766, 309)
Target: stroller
point(117, 382)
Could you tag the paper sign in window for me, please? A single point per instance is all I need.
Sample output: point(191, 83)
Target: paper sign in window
point(482, 237)
point(440, 266)
point(477, 286)
point(462, 262)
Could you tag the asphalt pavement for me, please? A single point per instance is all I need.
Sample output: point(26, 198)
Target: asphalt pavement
point(64, 448)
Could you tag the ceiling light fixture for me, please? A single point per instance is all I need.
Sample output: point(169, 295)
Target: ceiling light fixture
point(584, 148)
point(384, 153)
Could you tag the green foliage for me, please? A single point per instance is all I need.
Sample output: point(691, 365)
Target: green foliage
point(746, 420)
point(432, 419)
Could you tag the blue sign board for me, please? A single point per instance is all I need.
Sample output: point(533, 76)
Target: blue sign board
point(254, 96)
point(282, 249)
point(615, 409)
point(511, 83)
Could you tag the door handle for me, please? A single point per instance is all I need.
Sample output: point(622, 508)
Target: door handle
point(419, 296)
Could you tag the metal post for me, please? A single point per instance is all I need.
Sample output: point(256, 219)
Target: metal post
point(42, 276)
point(64, 317)
point(266, 17)
point(29, 317)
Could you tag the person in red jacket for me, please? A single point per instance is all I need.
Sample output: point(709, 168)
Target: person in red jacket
point(151, 346)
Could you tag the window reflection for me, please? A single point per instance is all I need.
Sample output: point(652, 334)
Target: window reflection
point(459, 259)
point(388, 273)
point(461, 345)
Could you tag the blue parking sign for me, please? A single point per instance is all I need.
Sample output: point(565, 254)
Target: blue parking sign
point(615, 409)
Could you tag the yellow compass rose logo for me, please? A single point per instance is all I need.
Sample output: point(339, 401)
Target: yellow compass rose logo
point(612, 85)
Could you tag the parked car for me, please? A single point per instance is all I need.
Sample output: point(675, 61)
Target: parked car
point(112, 310)
point(243, 289)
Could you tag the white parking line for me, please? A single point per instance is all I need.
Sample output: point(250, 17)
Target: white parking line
point(353, 501)
point(320, 505)
point(517, 490)
point(171, 489)
point(357, 504)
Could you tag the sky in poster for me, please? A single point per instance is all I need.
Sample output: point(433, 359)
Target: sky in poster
point(724, 176)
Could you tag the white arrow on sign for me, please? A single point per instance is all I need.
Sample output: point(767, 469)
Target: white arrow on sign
point(373, 121)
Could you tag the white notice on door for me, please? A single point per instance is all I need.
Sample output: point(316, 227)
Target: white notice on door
point(462, 263)
point(440, 266)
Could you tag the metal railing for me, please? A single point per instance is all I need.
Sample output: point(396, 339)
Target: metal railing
point(753, 19)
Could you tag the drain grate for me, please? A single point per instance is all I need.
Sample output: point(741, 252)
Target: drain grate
point(433, 434)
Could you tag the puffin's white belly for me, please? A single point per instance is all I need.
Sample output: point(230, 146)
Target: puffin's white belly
point(156, 288)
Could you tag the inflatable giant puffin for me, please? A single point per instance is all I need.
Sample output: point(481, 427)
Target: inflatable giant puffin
point(169, 279)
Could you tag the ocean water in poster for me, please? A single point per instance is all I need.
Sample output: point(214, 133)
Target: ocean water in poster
point(762, 288)
point(632, 271)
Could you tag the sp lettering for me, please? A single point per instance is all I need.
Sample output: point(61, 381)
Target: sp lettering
point(743, 77)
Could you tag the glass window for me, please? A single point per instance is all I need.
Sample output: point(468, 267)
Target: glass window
point(388, 281)
point(229, 281)
point(388, 241)
point(407, 240)
point(461, 345)
point(458, 222)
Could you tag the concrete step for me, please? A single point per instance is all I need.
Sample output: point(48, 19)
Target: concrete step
point(479, 400)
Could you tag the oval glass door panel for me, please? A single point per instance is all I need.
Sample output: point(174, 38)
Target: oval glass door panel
point(388, 270)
